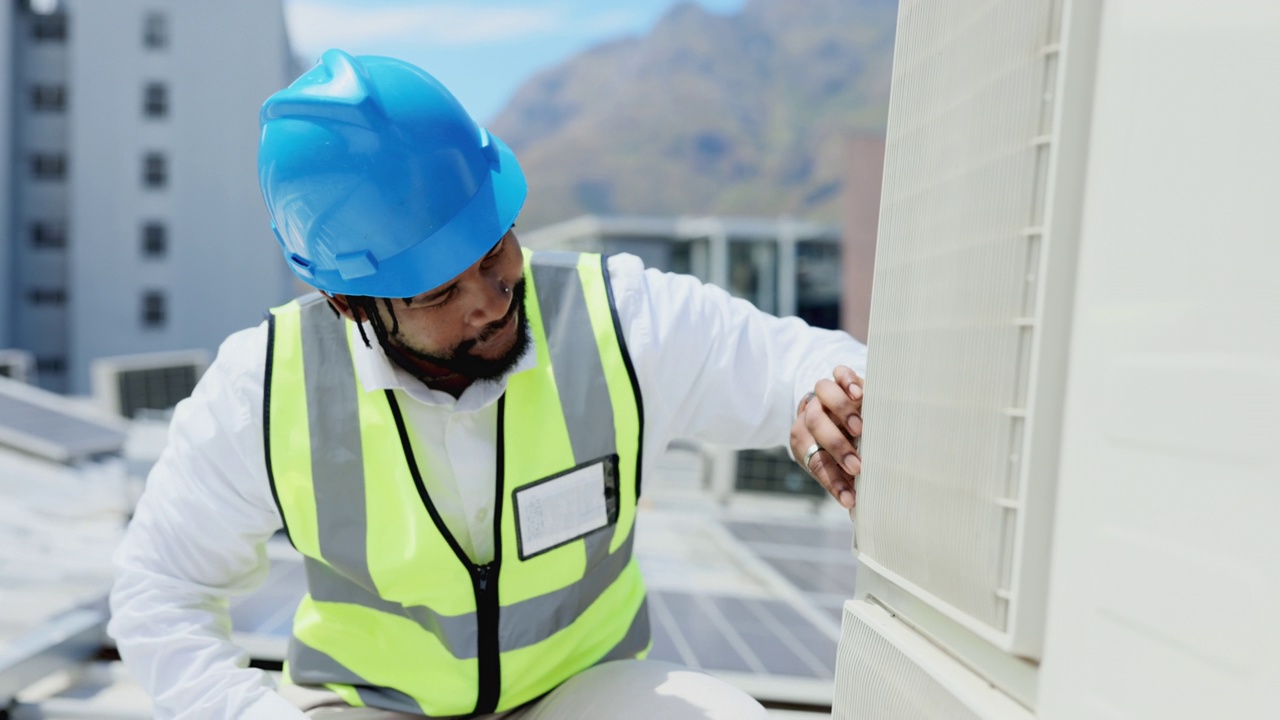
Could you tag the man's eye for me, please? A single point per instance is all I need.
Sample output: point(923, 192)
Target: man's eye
point(441, 299)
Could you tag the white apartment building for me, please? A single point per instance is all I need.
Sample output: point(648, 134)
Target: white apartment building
point(133, 220)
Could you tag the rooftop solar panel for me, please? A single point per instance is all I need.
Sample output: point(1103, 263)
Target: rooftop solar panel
point(740, 635)
point(41, 428)
point(816, 560)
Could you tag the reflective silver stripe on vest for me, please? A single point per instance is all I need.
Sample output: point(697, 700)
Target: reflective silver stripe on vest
point(575, 357)
point(308, 666)
point(521, 624)
point(537, 619)
point(456, 632)
point(636, 639)
point(337, 472)
point(331, 403)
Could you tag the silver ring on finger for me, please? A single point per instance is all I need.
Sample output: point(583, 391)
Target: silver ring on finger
point(808, 455)
point(804, 401)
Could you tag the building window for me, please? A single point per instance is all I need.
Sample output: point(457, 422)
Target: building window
point(51, 365)
point(153, 309)
point(49, 28)
point(155, 100)
point(48, 166)
point(818, 283)
point(753, 273)
point(47, 296)
point(155, 31)
point(48, 234)
point(49, 98)
point(155, 170)
point(155, 239)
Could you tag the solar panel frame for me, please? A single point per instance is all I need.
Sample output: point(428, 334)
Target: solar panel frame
point(47, 425)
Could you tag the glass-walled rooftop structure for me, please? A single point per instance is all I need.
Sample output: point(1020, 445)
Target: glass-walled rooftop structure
point(783, 266)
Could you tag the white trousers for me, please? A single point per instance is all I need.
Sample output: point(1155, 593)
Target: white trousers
point(619, 690)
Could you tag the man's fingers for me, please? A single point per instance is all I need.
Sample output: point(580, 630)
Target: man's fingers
point(834, 423)
point(833, 440)
point(831, 476)
point(843, 409)
point(850, 382)
point(821, 466)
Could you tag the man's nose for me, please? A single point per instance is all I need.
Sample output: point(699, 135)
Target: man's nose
point(496, 302)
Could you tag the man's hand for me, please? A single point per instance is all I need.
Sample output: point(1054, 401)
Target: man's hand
point(830, 420)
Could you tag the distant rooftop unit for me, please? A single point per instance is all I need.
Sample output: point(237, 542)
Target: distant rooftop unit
point(129, 384)
point(18, 365)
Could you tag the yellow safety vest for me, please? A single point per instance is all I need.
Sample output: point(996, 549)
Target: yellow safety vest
point(396, 615)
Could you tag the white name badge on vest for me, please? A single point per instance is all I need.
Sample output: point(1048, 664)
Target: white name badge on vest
point(566, 506)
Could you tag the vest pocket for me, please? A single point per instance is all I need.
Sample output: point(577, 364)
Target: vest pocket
point(567, 506)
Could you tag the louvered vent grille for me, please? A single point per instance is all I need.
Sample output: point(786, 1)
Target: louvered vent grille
point(886, 671)
point(956, 311)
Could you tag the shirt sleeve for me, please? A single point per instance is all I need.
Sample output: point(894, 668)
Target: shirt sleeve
point(715, 367)
point(197, 538)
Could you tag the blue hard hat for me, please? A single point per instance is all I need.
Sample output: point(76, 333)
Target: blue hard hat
point(378, 181)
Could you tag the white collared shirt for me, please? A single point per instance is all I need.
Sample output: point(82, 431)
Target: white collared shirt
point(709, 366)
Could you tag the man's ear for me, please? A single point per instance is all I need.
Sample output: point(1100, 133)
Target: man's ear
point(340, 304)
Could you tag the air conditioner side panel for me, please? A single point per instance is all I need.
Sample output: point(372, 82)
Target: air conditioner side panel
point(1165, 581)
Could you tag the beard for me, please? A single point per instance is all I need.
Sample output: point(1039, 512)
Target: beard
point(462, 360)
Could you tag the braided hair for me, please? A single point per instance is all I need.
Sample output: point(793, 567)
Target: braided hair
point(363, 307)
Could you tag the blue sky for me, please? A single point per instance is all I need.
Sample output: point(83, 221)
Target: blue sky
point(482, 50)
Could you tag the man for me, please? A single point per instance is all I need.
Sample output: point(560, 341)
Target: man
point(454, 434)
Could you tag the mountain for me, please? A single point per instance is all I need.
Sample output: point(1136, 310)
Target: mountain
point(708, 113)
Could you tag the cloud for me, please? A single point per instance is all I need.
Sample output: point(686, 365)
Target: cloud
point(318, 24)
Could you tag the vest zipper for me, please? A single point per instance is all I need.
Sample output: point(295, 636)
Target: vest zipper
point(485, 580)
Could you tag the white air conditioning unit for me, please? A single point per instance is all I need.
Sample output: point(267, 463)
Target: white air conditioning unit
point(18, 365)
point(1073, 377)
point(129, 384)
